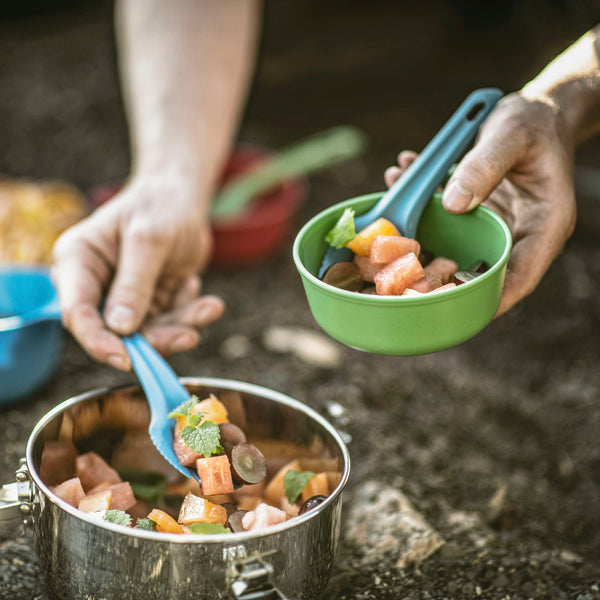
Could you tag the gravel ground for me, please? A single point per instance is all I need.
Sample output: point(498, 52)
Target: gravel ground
point(475, 471)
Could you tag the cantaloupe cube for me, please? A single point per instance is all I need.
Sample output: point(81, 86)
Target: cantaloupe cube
point(70, 491)
point(427, 284)
point(93, 470)
point(394, 278)
point(316, 486)
point(214, 410)
point(165, 522)
point(215, 475)
point(361, 243)
point(386, 248)
point(443, 267)
point(367, 268)
point(195, 509)
point(274, 489)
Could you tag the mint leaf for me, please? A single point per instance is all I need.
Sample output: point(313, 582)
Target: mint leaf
point(204, 439)
point(117, 516)
point(209, 528)
point(343, 231)
point(193, 420)
point(147, 524)
point(294, 482)
point(183, 410)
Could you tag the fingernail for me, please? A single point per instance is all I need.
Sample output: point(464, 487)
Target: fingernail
point(118, 361)
point(183, 342)
point(457, 198)
point(121, 318)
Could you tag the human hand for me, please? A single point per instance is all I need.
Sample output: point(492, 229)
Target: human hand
point(141, 252)
point(522, 168)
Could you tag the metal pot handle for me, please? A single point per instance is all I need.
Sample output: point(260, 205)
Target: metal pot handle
point(252, 580)
point(16, 499)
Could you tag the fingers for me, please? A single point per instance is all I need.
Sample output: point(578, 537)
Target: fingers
point(141, 260)
point(78, 273)
point(405, 159)
point(482, 169)
point(177, 331)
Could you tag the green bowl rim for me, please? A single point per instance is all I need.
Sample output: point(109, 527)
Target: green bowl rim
point(359, 298)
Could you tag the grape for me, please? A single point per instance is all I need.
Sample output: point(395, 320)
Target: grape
point(230, 436)
point(311, 503)
point(344, 275)
point(234, 522)
point(248, 464)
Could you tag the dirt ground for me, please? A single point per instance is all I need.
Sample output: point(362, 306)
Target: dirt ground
point(495, 442)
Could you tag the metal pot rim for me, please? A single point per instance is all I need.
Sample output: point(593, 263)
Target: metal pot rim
point(218, 538)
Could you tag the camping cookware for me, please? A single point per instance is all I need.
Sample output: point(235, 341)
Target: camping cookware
point(81, 556)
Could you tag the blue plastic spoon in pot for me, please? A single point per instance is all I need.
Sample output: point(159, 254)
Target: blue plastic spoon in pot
point(164, 392)
point(405, 201)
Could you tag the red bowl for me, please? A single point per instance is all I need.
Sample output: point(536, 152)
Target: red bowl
point(260, 231)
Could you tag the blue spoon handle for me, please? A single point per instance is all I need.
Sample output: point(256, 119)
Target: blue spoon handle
point(159, 377)
point(405, 201)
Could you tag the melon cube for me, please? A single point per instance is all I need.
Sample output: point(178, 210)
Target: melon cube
point(195, 509)
point(70, 491)
point(316, 486)
point(443, 267)
point(93, 470)
point(428, 283)
point(443, 288)
point(401, 273)
point(95, 502)
point(215, 475)
point(361, 243)
point(368, 269)
point(386, 248)
point(58, 462)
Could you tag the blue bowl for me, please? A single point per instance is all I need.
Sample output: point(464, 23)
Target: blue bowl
point(30, 354)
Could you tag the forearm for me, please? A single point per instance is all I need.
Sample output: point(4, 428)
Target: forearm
point(185, 68)
point(571, 85)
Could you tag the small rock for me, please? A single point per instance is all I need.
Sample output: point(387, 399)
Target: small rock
point(235, 346)
point(383, 523)
point(309, 346)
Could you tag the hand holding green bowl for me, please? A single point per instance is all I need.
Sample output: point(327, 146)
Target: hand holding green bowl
point(410, 325)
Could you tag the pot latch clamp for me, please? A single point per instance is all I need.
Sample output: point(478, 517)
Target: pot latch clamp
point(252, 580)
point(16, 499)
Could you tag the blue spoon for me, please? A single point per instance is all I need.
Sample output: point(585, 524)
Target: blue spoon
point(405, 201)
point(164, 393)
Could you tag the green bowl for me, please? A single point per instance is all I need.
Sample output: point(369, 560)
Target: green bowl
point(410, 325)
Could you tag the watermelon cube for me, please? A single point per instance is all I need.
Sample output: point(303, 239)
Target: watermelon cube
point(443, 267)
point(386, 248)
point(401, 273)
point(428, 283)
point(368, 269)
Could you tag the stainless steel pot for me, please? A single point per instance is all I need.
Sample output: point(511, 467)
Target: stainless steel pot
point(82, 557)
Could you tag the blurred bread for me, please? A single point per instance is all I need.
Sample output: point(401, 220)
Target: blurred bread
point(33, 215)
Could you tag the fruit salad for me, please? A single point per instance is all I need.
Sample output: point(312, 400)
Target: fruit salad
point(388, 264)
point(239, 489)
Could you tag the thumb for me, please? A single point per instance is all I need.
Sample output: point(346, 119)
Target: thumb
point(141, 261)
point(481, 171)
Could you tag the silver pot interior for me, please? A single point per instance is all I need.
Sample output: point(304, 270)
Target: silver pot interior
point(83, 557)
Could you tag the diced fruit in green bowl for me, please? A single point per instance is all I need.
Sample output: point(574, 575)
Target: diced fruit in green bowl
point(410, 324)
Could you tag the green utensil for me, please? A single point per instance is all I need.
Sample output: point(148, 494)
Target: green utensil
point(316, 152)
